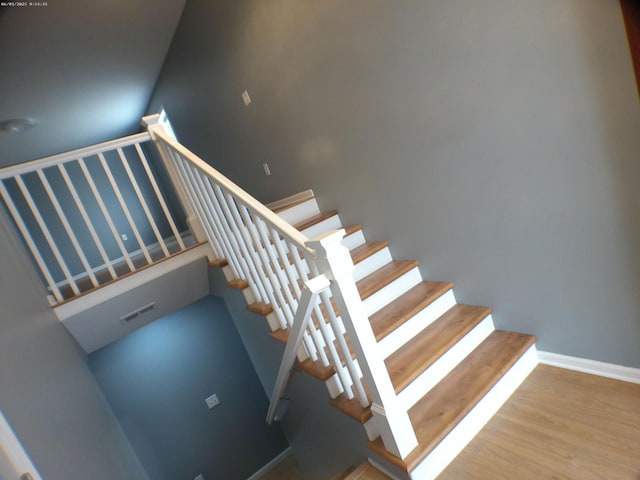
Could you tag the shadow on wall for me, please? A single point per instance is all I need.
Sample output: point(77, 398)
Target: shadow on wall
point(157, 379)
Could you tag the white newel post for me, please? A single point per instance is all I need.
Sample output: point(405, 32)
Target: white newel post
point(333, 259)
point(157, 121)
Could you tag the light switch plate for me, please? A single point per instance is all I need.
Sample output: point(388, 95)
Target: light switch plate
point(246, 98)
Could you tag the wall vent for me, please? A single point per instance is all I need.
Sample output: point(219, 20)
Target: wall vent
point(136, 313)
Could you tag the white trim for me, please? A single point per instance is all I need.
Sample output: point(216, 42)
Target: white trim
point(290, 200)
point(377, 465)
point(171, 242)
point(594, 367)
point(125, 284)
point(10, 444)
point(45, 162)
point(269, 466)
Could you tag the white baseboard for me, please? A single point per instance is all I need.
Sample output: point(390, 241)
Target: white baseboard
point(281, 457)
point(382, 469)
point(594, 367)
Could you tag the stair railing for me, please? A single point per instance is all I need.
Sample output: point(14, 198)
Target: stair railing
point(308, 299)
point(76, 212)
point(277, 261)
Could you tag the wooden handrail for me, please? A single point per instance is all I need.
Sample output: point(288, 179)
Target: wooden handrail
point(287, 230)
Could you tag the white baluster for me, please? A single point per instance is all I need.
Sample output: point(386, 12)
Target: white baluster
point(105, 213)
point(312, 341)
point(143, 202)
point(159, 196)
point(32, 246)
point(156, 131)
point(246, 244)
point(87, 220)
point(67, 227)
point(125, 208)
point(47, 235)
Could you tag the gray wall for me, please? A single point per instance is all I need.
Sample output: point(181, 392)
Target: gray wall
point(47, 392)
point(156, 380)
point(495, 141)
point(323, 440)
point(83, 70)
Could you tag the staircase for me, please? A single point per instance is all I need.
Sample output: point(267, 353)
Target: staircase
point(397, 353)
point(448, 365)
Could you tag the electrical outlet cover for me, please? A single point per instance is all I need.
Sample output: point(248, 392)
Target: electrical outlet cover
point(212, 401)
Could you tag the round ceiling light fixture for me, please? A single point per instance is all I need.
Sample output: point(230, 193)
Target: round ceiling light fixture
point(17, 125)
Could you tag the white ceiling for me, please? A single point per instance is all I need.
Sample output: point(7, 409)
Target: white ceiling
point(83, 69)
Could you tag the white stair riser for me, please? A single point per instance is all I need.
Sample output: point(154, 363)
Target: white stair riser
point(477, 418)
point(273, 322)
point(372, 263)
point(228, 273)
point(371, 429)
point(416, 324)
point(331, 223)
point(392, 291)
point(333, 384)
point(354, 240)
point(300, 212)
point(447, 362)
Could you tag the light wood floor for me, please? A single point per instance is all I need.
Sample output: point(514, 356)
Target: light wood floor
point(288, 469)
point(558, 425)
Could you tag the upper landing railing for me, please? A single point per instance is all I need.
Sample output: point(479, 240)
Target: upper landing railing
point(93, 215)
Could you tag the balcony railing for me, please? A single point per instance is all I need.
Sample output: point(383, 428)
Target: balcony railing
point(91, 216)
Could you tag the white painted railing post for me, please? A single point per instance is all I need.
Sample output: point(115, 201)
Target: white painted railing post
point(308, 300)
point(333, 260)
point(158, 121)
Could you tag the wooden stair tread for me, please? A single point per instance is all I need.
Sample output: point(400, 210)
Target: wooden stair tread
point(282, 335)
point(384, 276)
point(260, 308)
point(316, 369)
point(365, 250)
point(441, 409)
point(349, 229)
point(311, 221)
point(239, 283)
point(291, 205)
point(388, 318)
point(351, 407)
point(218, 262)
point(419, 353)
